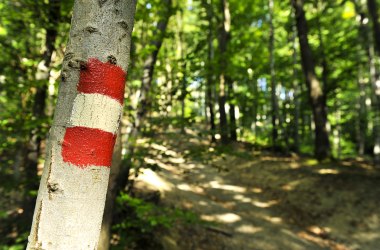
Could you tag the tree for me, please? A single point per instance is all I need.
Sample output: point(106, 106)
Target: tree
point(73, 187)
point(275, 119)
point(223, 41)
point(316, 96)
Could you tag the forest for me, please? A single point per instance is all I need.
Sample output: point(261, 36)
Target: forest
point(190, 124)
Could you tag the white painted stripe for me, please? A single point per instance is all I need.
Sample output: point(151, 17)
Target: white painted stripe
point(96, 111)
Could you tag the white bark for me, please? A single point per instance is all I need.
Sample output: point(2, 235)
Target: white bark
point(71, 199)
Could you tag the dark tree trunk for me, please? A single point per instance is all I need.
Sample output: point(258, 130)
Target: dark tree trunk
point(316, 95)
point(373, 12)
point(372, 9)
point(274, 111)
point(223, 40)
point(209, 73)
point(150, 61)
point(233, 134)
point(296, 94)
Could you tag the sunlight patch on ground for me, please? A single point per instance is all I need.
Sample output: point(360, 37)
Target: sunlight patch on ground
point(237, 189)
point(264, 204)
point(248, 229)
point(367, 236)
point(242, 198)
point(177, 160)
point(186, 187)
point(224, 218)
point(257, 190)
point(274, 220)
point(159, 147)
point(152, 179)
point(328, 171)
point(290, 186)
point(294, 165)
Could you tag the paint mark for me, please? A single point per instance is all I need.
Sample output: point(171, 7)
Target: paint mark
point(102, 78)
point(96, 111)
point(84, 147)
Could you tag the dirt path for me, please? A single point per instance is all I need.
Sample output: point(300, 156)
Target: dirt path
point(258, 201)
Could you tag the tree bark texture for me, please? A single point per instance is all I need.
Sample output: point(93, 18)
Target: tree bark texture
point(373, 12)
point(73, 187)
point(42, 75)
point(275, 113)
point(316, 95)
point(223, 41)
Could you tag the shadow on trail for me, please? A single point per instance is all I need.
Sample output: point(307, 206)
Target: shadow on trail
point(258, 201)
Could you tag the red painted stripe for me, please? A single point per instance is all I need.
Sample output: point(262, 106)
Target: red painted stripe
point(102, 78)
point(88, 146)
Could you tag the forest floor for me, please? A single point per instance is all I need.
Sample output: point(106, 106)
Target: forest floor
point(253, 199)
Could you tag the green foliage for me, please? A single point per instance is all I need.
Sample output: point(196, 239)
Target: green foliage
point(139, 219)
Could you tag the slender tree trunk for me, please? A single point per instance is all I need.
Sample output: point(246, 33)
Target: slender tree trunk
point(207, 4)
point(373, 12)
point(274, 111)
point(233, 134)
point(209, 98)
point(296, 93)
point(119, 179)
point(42, 76)
point(150, 61)
point(375, 78)
point(105, 233)
point(255, 107)
point(325, 69)
point(223, 40)
point(73, 187)
point(183, 98)
point(316, 95)
point(362, 114)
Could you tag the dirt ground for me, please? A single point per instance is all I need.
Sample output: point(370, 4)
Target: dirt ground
point(256, 200)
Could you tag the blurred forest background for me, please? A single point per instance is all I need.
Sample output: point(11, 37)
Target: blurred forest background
point(247, 125)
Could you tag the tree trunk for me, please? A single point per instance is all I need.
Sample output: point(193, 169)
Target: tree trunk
point(223, 40)
point(209, 73)
point(316, 95)
point(233, 134)
point(372, 9)
point(73, 187)
point(105, 233)
point(274, 111)
point(296, 93)
point(150, 61)
point(375, 78)
point(119, 179)
point(42, 76)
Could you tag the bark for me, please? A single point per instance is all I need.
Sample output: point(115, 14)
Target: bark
point(209, 73)
point(374, 76)
point(375, 83)
point(233, 134)
point(316, 96)
point(73, 187)
point(119, 179)
point(362, 122)
point(274, 102)
point(373, 12)
point(223, 41)
point(296, 93)
point(105, 233)
point(324, 63)
point(42, 75)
